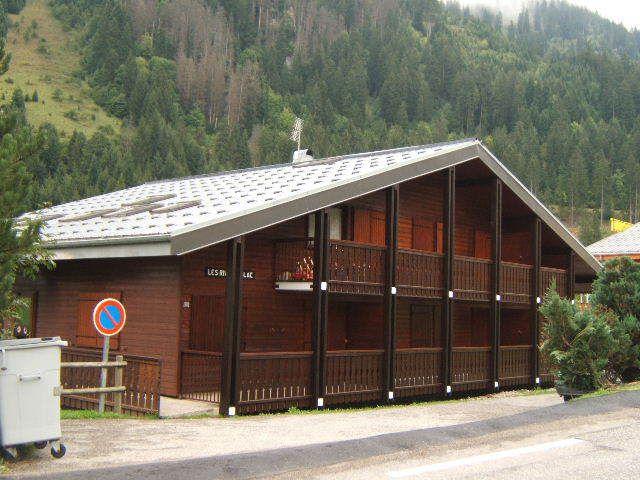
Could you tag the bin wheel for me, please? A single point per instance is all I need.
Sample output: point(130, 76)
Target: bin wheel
point(58, 453)
point(40, 445)
point(9, 454)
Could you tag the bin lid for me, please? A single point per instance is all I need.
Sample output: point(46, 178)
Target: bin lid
point(32, 343)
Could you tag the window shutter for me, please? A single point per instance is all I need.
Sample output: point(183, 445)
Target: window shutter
point(482, 244)
point(361, 226)
point(405, 232)
point(378, 228)
point(423, 235)
point(440, 237)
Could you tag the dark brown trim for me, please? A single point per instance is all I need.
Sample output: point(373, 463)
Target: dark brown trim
point(232, 332)
point(391, 240)
point(496, 221)
point(535, 290)
point(447, 303)
point(571, 277)
point(318, 313)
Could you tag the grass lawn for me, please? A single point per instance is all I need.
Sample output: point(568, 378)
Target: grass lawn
point(45, 59)
point(93, 415)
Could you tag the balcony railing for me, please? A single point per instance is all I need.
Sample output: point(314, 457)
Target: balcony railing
point(515, 282)
point(358, 269)
point(354, 376)
point(471, 368)
point(515, 365)
point(274, 381)
point(418, 371)
point(472, 278)
point(419, 274)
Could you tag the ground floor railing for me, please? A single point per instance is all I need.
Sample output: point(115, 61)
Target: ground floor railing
point(471, 368)
point(515, 365)
point(544, 371)
point(418, 371)
point(200, 375)
point(274, 381)
point(141, 379)
point(354, 376)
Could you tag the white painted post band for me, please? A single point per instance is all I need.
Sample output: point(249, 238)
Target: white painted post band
point(320, 402)
point(498, 297)
point(537, 380)
point(538, 300)
point(323, 286)
point(496, 385)
point(232, 411)
point(448, 388)
point(390, 395)
point(573, 302)
point(450, 293)
point(394, 290)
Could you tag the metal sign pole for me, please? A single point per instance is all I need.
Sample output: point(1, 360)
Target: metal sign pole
point(103, 373)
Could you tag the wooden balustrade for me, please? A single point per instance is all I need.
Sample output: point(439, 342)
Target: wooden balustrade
point(141, 378)
point(294, 260)
point(419, 274)
point(471, 368)
point(544, 371)
point(356, 268)
point(274, 381)
point(515, 282)
point(472, 278)
point(548, 275)
point(515, 365)
point(354, 376)
point(418, 371)
point(200, 375)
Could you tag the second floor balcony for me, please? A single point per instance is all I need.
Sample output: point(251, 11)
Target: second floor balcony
point(359, 269)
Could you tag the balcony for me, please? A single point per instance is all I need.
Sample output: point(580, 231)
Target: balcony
point(358, 269)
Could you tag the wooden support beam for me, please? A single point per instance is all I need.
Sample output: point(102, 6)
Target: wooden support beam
point(232, 331)
point(391, 235)
point(536, 295)
point(320, 304)
point(447, 301)
point(496, 221)
point(571, 276)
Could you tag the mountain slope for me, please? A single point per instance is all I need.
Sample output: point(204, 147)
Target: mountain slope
point(44, 60)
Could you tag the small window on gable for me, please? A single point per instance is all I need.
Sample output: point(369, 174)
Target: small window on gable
point(86, 334)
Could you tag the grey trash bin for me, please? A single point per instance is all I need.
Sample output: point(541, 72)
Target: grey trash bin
point(29, 394)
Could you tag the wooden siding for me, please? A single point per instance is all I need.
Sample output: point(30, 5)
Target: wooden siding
point(150, 290)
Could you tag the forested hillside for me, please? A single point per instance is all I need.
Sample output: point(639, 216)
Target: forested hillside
point(205, 85)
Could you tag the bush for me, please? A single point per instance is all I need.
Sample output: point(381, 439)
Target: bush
point(576, 343)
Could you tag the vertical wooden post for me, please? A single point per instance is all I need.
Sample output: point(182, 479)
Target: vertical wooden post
point(103, 373)
point(391, 240)
point(571, 276)
point(536, 296)
point(117, 382)
point(449, 252)
point(232, 331)
point(496, 220)
point(320, 291)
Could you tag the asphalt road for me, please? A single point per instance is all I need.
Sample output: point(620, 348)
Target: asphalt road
point(584, 439)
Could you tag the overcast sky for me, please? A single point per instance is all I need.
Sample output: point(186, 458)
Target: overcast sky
point(620, 11)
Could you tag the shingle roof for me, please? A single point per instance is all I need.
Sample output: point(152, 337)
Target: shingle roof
point(213, 197)
point(172, 217)
point(622, 243)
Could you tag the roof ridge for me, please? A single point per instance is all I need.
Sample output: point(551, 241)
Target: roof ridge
point(315, 161)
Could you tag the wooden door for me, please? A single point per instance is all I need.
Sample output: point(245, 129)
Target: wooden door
point(206, 330)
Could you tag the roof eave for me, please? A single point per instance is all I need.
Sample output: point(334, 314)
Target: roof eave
point(147, 246)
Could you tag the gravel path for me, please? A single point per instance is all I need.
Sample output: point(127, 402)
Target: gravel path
point(94, 444)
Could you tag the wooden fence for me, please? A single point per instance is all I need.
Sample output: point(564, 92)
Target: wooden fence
point(418, 371)
point(354, 376)
point(141, 377)
point(274, 381)
point(200, 375)
point(515, 282)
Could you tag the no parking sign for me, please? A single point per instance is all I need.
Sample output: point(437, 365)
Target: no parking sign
point(109, 317)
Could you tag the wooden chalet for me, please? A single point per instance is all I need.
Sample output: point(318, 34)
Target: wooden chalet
point(372, 277)
point(621, 244)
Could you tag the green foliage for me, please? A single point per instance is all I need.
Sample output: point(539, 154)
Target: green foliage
point(577, 343)
point(617, 288)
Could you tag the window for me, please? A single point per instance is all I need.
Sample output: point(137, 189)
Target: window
point(335, 224)
point(86, 334)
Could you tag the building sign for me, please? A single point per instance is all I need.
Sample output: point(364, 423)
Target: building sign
point(214, 272)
